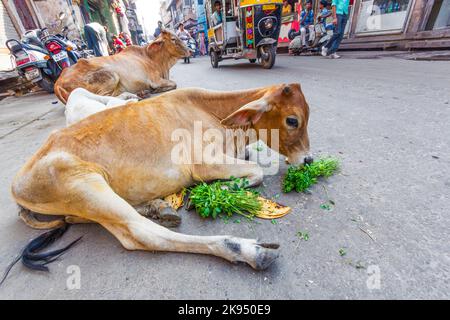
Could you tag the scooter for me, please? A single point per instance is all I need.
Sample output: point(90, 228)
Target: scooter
point(32, 60)
point(318, 40)
point(63, 53)
point(190, 43)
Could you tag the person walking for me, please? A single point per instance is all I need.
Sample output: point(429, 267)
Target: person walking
point(96, 39)
point(158, 29)
point(340, 18)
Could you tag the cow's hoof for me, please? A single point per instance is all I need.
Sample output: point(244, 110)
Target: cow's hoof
point(169, 217)
point(266, 253)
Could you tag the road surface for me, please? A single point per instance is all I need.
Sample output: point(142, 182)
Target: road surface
point(386, 236)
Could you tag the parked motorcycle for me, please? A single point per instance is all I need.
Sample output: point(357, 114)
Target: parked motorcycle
point(63, 53)
point(78, 45)
point(32, 60)
point(318, 40)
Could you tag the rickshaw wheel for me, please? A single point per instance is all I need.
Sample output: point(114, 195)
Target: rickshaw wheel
point(270, 52)
point(214, 59)
point(252, 60)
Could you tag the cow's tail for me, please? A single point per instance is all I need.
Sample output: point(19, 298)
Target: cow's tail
point(31, 256)
point(61, 93)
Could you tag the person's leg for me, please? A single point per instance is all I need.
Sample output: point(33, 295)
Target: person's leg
point(340, 28)
point(303, 33)
point(330, 42)
point(311, 32)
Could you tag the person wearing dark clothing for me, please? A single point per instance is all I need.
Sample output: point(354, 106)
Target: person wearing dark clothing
point(340, 18)
point(96, 40)
point(158, 30)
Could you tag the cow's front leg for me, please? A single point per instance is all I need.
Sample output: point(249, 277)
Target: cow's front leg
point(161, 211)
point(163, 85)
point(231, 167)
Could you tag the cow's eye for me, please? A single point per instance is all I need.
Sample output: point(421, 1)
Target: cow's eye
point(292, 122)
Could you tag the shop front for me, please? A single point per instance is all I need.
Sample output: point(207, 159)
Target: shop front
point(384, 24)
point(382, 16)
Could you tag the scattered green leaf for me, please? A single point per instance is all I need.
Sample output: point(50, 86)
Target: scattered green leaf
point(303, 235)
point(300, 178)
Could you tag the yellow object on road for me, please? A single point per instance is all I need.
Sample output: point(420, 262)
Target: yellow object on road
point(272, 210)
point(176, 200)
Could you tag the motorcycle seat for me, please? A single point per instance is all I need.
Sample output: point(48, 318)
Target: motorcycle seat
point(34, 47)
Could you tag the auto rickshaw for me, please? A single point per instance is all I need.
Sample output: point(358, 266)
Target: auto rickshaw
point(243, 29)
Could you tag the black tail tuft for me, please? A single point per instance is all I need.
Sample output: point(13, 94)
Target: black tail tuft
point(30, 256)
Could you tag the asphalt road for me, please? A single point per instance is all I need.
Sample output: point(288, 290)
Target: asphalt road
point(387, 120)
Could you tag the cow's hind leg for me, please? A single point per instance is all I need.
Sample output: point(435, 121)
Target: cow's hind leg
point(30, 220)
point(161, 211)
point(103, 82)
point(96, 201)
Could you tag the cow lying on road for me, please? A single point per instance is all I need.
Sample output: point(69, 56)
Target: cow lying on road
point(102, 167)
point(138, 70)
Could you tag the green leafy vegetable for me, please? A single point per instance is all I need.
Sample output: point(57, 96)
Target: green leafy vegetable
point(300, 178)
point(226, 198)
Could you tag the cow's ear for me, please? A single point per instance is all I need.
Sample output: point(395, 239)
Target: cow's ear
point(154, 45)
point(248, 114)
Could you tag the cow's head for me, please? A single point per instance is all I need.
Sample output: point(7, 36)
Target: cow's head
point(172, 45)
point(284, 108)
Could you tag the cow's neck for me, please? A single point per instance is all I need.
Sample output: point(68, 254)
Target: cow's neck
point(222, 104)
point(165, 62)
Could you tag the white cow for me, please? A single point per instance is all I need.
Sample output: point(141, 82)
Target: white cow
point(82, 103)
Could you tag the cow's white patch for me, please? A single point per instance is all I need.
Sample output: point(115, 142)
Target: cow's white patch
point(82, 103)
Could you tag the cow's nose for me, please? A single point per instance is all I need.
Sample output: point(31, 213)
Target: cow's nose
point(308, 160)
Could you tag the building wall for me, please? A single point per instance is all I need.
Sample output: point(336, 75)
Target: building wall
point(50, 11)
point(7, 31)
point(201, 15)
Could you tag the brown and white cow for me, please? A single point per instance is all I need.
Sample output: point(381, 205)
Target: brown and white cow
point(103, 167)
point(138, 70)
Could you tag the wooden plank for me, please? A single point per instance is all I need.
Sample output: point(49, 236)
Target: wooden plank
point(425, 44)
point(372, 45)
